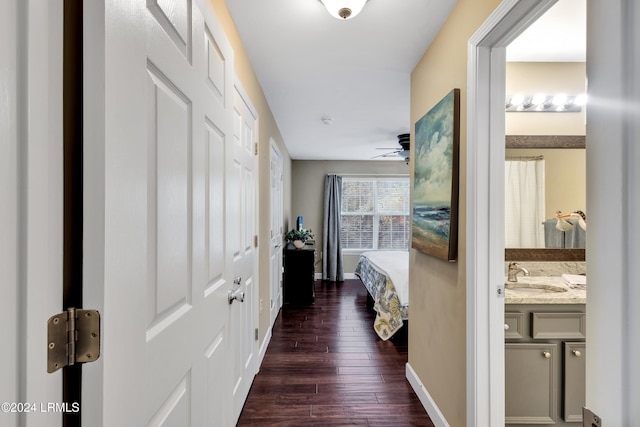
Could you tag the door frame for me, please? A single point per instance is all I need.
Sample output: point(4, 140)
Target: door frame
point(485, 206)
point(31, 236)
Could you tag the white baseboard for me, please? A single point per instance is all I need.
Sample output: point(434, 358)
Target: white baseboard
point(425, 398)
point(263, 347)
point(318, 276)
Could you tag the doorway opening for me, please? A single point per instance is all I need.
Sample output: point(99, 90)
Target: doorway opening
point(73, 188)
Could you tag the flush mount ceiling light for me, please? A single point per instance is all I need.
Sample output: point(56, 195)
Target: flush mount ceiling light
point(344, 9)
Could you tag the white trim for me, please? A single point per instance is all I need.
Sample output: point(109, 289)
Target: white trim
point(485, 207)
point(263, 347)
point(31, 193)
point(237, 84)
point(427, 401)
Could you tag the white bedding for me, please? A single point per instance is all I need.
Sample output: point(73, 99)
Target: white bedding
point(394, 264)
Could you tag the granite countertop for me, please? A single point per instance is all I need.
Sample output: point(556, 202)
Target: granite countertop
point(537, 290)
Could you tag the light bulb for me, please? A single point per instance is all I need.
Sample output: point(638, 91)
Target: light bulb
point(517, 99)
point(580, 99)
point(538, 99)
point(344, 9)
point(560, 99)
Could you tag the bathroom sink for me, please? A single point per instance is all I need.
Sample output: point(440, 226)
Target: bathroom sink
point(538, 284)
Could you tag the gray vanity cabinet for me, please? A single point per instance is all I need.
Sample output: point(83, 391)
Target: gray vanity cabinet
point(530, 380)
point(544, 364)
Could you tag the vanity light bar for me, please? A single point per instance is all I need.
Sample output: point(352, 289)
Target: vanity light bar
point(542, 103)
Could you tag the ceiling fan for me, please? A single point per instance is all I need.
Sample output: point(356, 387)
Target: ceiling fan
point(401, 152)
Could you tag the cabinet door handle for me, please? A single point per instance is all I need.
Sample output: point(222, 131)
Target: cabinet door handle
point(577, 353)
point(546, 354)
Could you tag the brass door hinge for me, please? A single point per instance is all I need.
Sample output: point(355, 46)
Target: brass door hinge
point(73, 336)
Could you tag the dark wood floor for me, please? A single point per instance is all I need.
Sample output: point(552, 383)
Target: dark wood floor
point(325, 366)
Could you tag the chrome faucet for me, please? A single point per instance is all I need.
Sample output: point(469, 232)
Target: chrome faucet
point(514, 269)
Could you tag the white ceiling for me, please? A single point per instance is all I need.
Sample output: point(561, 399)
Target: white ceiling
point(356, 72)
point(560, 35)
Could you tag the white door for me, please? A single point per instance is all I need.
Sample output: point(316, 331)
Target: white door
point(276, 232)
point(242, 238)
point(31, 206)
point(161, 253)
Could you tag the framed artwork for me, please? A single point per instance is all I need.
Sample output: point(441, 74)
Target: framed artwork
point(436, 179)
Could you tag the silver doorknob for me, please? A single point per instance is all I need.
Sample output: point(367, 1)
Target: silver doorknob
point(235, 295)
point(546, 354)
point(577, 353)
point(506, 326)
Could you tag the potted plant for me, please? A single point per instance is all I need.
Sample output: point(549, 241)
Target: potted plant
point(298, 237)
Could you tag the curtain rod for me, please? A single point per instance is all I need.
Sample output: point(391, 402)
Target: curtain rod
point(525, 158)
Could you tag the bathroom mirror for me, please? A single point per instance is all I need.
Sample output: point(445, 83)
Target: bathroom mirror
point(564, 189)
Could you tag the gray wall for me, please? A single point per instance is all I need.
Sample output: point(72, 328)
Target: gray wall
point(307, 193)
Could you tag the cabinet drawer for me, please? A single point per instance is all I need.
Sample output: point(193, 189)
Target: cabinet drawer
point(514, 325)
point(558, 325)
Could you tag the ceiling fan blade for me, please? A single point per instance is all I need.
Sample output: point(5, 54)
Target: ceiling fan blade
point(391, 154)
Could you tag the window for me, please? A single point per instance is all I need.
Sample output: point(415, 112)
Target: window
point(375, 213)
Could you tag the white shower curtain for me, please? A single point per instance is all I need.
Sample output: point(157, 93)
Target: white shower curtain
point(524, 204)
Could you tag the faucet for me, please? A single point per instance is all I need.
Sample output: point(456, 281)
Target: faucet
point(514, 269)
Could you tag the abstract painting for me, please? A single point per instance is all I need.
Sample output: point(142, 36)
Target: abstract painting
point(435, 188)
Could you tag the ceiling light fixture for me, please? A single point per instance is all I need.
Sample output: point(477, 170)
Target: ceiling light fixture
point(344, 9)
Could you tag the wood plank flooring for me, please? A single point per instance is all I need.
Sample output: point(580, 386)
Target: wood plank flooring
point(325, 366)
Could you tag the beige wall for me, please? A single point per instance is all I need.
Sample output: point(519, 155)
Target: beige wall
point(267, 130)
point(437, 333)
point(308, 193)
point(530, 78)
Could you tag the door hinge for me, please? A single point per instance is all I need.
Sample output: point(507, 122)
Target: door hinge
point(73, 336)
point(255, 241)
point(256, 334)
point(255, 148)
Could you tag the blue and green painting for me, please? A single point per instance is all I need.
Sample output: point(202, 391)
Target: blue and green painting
point(435, 154)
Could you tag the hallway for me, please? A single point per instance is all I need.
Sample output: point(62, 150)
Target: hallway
point(325, 366)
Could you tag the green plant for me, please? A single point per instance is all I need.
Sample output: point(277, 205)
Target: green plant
point(302, 234)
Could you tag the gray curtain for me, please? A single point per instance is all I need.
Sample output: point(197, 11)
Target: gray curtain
point(332, 268)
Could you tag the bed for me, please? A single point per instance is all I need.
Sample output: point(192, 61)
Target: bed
point(385, 274)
